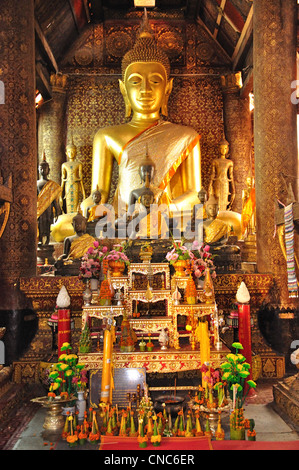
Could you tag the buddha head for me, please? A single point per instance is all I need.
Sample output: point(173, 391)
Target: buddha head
point(223, 147)
point(145, 83)
point(71, 151)
point(79, 223)
point(212, 207)
point(202, 196)
point(96, 196)
point(44, 168)
point(147, 198)
point(146, 170)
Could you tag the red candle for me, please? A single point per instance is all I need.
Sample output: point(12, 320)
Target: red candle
point(64, 318)
point(244, 326)
point(245, 332)
point(64, 328)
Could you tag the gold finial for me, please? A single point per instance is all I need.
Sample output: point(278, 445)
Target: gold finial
point(71, 145)
point(145, 30)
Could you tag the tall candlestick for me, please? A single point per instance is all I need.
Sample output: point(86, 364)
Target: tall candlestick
point(244, 326)
point(106, 371)
point(107, 382)
point(204, 349)
point(64, 318)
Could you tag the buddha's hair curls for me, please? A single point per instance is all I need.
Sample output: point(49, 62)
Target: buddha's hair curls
point(145, 50)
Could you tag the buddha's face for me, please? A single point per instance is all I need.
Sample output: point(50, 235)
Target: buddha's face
point(223, 149)
point(146, 86)
point(212, 210)
point(146, 200)
point(44, 169)
point(79, 224)
point(96, 197)
point(71, 153)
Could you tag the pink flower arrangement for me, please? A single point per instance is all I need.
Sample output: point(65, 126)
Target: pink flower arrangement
point(117, 254)
point(178, 252)
point(91, 262)
point(202, 259)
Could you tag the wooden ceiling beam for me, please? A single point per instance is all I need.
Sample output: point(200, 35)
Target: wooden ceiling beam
point(219, 18)
point(244, 40)
point(46, 48)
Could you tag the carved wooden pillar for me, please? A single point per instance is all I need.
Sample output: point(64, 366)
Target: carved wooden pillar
point(238, 132)
point(275, 139)
point(18, 156)
point(18, 138)
point(51, 131)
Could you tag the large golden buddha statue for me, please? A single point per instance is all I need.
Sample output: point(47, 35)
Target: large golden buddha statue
point(174, 149)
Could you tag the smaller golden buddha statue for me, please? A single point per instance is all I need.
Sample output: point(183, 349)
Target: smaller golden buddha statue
point(222, 183)
point(75, 246)
point(216, 231)
point(71, 180)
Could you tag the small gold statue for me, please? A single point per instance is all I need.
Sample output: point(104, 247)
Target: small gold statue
point(222, 183)
point(71, 180)
point(216, 231)
point(76, 245)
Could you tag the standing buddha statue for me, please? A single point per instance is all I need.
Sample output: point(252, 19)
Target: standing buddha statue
point(222, 184)
point(48, 208)
point(71, 180)
point(174, 149)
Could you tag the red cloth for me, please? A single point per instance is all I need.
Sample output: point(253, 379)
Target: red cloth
point(113, 443)
point(167, 443)
point(255, 445)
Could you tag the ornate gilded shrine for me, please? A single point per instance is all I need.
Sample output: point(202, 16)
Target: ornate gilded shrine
point(86, 97)
point(42, 292)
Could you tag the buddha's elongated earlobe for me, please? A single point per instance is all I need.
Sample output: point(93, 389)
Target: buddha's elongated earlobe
point(164, 104)
point(125, 96)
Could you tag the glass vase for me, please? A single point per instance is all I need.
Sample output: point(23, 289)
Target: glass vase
point(81, 404)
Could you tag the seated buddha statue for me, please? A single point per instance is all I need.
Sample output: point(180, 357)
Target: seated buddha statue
point(147, 221)
point(98, 215)
point(146, 173)
point(215, 231)
point(219, 235)
point(74, 247)
point(174, 149)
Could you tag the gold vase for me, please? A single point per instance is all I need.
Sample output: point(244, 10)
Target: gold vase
point(54, 420)
point(180, 267)
point(116, 267)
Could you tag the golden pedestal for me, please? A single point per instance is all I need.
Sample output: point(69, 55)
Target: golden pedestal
point(170, 360)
